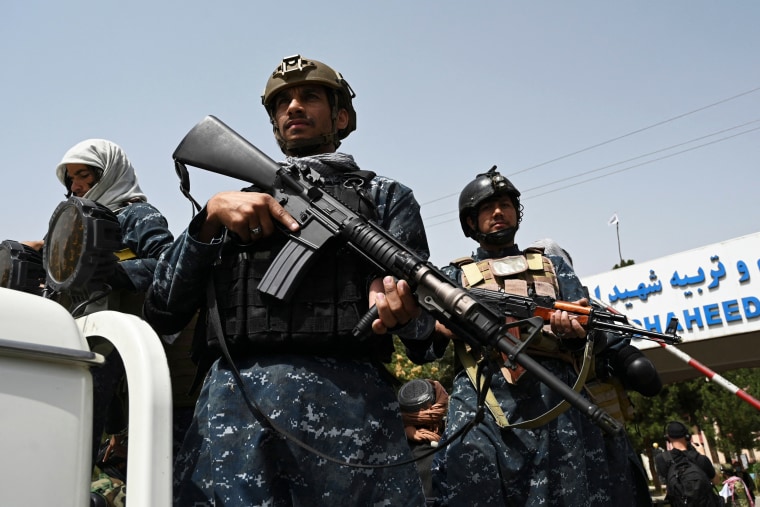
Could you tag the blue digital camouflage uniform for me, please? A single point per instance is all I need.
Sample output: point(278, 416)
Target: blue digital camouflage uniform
point(567, 462)
point(345, 408)
point(144, 230)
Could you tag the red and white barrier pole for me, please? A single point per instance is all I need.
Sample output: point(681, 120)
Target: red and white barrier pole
point(707, 372)
point(710, 374)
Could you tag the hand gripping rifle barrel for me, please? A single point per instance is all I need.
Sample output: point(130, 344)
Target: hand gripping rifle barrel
point(213, 146)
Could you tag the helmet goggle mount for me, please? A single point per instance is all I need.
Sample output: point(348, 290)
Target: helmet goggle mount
point(21, 268)
point(78, 255)
point(501, 185)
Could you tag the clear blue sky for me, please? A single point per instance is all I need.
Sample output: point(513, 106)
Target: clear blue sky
point(444, 89)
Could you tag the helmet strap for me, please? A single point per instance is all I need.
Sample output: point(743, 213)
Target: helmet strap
point(305, 147)
point(498, 238)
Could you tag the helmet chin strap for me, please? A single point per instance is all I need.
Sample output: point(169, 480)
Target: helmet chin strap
point(498, 238)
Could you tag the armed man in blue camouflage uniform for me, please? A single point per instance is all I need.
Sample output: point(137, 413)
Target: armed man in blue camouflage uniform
point(526, 451)
point(298, 361)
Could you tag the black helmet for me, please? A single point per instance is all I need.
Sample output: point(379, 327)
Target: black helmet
point(294, 71)
point(486, 186)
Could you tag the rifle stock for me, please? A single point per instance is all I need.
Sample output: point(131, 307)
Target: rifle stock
point(213, 146)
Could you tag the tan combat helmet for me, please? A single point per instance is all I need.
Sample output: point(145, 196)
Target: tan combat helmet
point(295, 70)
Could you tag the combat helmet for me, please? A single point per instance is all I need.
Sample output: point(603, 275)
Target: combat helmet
point(487, 186)
point(296, 70)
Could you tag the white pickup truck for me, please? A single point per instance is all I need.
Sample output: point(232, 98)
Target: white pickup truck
point(46, 403)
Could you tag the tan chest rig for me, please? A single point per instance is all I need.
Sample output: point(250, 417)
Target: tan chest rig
point(520, 275)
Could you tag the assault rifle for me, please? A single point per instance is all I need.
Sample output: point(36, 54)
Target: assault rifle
point(213, 146)
point(592, 318)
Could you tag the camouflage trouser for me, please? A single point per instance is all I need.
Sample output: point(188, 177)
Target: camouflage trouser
point(111, 489)
point(567, 462)
point(342, 408)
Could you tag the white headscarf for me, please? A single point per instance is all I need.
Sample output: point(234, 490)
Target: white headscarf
point(118, 183)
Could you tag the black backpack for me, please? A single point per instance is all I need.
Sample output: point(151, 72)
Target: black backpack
point(687, 483)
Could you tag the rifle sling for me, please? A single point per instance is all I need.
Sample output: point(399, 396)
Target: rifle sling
point(471, 366)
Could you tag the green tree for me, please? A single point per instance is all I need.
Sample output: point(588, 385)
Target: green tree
point(624, 263)
point(737, 420)
point(704, 404)
point(404, 369)
point(680, 401)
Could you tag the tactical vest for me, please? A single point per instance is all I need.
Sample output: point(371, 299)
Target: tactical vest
point(527, 275)
point(513, 274)
point(325, 307)
point(524, 275)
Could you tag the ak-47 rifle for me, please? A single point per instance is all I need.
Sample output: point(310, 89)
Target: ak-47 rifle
point(522, 307)
point(213, 146)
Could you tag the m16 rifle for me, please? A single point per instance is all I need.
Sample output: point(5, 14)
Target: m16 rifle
point(214, 146)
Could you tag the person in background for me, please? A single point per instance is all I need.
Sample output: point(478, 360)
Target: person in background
point(745, 476)
point(424, 403)
point(679, 440)
point(736, 490)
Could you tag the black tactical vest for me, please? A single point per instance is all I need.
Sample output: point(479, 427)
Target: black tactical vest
point(326, 305)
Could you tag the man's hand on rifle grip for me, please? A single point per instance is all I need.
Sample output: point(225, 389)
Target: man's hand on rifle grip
point(244, 213)
point(395, 304)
